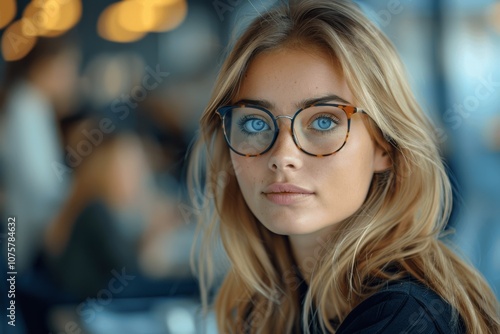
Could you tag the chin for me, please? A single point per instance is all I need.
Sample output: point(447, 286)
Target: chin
point(290, 228)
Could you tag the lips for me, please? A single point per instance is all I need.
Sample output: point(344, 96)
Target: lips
point(279, 188)
point(286, 194)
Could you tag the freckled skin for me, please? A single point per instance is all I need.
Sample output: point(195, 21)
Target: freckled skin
point(340, 182)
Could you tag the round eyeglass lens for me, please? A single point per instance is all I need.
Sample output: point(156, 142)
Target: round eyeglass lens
point(321, 130)
point(249, 131)
point(318, 130)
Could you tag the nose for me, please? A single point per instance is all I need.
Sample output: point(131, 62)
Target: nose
point(285, 155)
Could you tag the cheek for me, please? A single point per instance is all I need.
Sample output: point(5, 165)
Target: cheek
point(347, 177)
point(247, 173)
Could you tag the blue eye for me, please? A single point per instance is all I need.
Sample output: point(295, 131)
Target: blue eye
point(323, 123)
point(254, 125)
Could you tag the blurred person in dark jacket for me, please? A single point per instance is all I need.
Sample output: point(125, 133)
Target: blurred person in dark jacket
point(112, 212)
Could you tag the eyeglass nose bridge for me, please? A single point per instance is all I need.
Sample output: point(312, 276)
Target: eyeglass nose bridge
point(291, 118)
point(283, 116)
point(291, 132)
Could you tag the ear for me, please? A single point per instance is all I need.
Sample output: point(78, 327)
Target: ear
point(381, 159)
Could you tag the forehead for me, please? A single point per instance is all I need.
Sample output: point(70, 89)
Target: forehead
point(288, 75)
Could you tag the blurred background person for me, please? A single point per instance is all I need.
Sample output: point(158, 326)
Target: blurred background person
point(40, 89)
point(99, 227)
point(120, 215)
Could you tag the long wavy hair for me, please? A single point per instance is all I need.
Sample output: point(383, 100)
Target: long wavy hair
point(399, 225)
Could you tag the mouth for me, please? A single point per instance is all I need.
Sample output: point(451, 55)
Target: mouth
point(286, 194)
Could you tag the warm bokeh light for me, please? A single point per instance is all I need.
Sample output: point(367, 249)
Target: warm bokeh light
point(171, 16)
point(137, 16)
point(109, 28)
point(15, 44)
point(152, 15)
point(36, 19)
point(70, 13)
point(7, 12)
point(130, 20)
point(51, 18)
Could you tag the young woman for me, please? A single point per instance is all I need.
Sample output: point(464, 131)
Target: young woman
point(322, 178)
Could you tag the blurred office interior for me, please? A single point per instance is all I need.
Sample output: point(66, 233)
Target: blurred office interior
point(99, 102)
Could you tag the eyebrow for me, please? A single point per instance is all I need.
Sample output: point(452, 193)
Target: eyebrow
point(301, 104)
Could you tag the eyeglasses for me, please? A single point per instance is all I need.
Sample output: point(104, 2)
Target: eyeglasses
point(319, 130)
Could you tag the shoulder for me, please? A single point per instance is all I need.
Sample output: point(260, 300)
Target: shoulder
point(402, 307)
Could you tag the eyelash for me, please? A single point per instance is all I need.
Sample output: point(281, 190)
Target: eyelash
point(330, 117)
point(243, 120)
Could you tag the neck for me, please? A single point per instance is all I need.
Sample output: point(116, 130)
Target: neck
point(308, 251)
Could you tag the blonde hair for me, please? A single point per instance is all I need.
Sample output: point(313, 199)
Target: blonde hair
point(398, 226)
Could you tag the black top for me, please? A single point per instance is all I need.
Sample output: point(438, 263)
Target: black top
point(405, 306)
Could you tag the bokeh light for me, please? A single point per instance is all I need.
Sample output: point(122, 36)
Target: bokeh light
point(36, 19)
point(7, 12)
point(109, 28)
point(70, 13)
point(15, 44)
point(51, 18)
point(129, 20)
point(137, 16)
point(171, 16)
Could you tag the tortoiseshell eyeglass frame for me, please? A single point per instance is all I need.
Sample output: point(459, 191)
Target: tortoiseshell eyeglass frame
point(348, 109)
